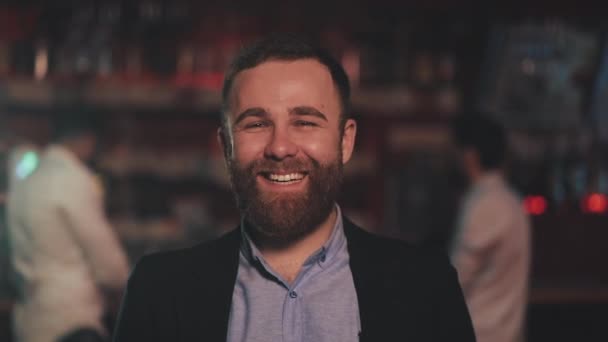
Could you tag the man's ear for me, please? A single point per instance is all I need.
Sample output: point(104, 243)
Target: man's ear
point(472, 161)
point(222, 139)
point(348, 139)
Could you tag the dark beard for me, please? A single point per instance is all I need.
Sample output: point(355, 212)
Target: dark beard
point(282, 217)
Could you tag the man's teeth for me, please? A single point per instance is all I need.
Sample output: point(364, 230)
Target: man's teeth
point(286, 178)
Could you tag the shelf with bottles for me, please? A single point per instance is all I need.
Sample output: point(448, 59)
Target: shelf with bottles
point(212, 208)
point(560, 173)
point(180, 146)
point(386, 101)
point(152, 213)
point(196, 164)
point(158, 54)
point(25, 94)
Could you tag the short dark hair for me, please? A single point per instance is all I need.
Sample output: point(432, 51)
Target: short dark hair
point(286, 47)
point(74, 123)
point(483, 134)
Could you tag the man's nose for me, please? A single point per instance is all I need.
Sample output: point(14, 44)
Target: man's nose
point(280, 145)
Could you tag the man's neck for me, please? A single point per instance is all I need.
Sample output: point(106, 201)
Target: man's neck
point(72, 148)
point(287, 260)
point(481, 176)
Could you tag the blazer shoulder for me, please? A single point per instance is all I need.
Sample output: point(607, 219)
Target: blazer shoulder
point(377, 243)
point(167, 266)
point(396, 253)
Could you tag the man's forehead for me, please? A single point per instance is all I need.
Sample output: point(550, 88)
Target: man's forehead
point(280, 70)
point(278, 80)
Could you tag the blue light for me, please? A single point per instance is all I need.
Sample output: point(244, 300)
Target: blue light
point(26, 165)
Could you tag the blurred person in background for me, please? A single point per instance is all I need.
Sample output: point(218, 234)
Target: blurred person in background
point(18, 159)
point(491, 245)
point(22, 158)
point(296, 269)
point(66, 258)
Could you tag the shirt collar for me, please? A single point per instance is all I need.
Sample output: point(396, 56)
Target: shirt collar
point(322, 256)
point(58, 152)
point(490, 179)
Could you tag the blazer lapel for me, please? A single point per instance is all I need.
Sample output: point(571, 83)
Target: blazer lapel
point(367, 276)
point(204, 307)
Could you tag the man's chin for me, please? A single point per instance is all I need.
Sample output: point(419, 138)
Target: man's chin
point(286, 212)
point(285, 218)
point(281, 199)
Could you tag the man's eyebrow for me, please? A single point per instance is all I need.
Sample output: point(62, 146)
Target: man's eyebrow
point(255, 111)
point(307, 110)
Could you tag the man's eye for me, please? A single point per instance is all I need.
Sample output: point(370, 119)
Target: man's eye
point(302, 123)
point(256, 124)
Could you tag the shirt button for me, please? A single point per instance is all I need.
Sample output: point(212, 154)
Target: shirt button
point(293, 294)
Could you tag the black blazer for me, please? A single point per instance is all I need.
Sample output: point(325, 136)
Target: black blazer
point(405, 293)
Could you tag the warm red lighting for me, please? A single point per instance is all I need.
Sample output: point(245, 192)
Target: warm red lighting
point(535, 205)
point(595, 203)
point(203, 80)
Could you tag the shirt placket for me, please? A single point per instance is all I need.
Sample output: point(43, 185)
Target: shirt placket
point(292, 316)
point(293, 306)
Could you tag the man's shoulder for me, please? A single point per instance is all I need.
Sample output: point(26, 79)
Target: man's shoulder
point(167, 265)
point(494, 205)
point(391, 251)
point(498, 194)
point(385, 265)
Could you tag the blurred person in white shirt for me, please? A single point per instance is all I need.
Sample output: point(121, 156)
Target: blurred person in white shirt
point(491, 245)
point(66, 258)
point(18, 159)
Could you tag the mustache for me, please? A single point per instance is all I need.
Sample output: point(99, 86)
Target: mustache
point(287, 165)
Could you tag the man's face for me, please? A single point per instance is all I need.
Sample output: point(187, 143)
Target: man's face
point(87, 146)
point(286, 152)
point(468, 160)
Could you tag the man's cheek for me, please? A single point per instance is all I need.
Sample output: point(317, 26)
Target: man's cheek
point(322, 152)
point(251, 140)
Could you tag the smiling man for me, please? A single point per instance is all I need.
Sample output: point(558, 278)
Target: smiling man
point(295, 269)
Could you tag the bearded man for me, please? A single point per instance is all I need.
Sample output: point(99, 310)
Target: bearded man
point(295, 269)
